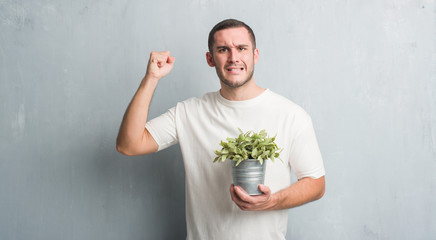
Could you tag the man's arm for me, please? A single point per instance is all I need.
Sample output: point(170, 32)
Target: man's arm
point(133, 138)
point(304, 191)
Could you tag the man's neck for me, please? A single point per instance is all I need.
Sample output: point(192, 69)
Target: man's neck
point(246, 92)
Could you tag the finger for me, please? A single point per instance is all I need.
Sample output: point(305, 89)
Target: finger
point(265, 189)
point(163, 53)
point(158, 60)
point(161, 61)
point(243, 205)
point(242, 194)
point(161, 57)
point(235, 199)
point(235, 196)
point(232, 192)
point(166, 59)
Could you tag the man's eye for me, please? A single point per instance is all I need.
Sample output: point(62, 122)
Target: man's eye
point(242, 48)
point(222, 50)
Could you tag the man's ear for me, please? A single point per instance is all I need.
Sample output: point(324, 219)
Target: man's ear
point(256, 55)
point(209, 59)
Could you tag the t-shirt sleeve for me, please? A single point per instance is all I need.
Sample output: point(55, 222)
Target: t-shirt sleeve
point(163, 129)
point(305, 158)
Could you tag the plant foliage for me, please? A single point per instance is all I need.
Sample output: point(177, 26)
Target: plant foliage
point(249, 145)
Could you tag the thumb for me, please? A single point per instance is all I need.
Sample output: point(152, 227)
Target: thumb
point(265, 189)
point(171, 59)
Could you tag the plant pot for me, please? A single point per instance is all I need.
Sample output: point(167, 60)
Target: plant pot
point(248, 175)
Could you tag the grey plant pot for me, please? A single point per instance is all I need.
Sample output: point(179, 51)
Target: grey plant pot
point(248, 175)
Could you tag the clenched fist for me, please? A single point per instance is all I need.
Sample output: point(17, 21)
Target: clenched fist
point(159, 65)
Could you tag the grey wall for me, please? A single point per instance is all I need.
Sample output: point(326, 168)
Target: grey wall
point(365, 71)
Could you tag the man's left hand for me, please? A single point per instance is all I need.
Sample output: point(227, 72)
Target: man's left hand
point(252, 203)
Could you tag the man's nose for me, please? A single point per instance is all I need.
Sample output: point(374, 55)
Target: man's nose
point(234, 56)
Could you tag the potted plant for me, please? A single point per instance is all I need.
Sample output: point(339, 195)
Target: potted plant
point(248, 153)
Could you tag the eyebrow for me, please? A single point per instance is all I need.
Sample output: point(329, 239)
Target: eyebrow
point(240, 45)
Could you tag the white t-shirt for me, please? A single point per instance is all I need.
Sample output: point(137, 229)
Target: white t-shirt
point(199, 124)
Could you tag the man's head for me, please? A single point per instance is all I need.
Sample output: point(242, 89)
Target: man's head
point(233, 53)
point(225, 24)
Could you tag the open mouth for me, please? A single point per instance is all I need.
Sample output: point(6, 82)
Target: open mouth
point(235, 69)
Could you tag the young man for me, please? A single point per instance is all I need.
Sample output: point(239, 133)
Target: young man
point(198, 125)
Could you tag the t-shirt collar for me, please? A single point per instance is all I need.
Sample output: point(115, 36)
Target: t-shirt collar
point(243, 103)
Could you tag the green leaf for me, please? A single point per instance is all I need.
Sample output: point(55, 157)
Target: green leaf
point(238, 162)
point(248, 145)
point(254, 153)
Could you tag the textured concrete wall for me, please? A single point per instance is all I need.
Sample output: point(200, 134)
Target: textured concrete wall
point(364, 70)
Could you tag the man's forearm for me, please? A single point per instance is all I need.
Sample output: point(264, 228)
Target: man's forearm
point(304, 191)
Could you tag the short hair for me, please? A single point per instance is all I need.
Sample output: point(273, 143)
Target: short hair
point(229, 23)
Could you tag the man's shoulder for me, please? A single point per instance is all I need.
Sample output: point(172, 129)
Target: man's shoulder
point(282, 100)
point(286, 106)
point(207, 98)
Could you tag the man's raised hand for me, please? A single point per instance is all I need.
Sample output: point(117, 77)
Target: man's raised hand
point(159, 65)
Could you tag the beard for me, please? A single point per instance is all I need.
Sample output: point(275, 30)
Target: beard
point(234, 84)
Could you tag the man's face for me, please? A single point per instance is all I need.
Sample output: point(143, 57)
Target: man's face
point(233, 56)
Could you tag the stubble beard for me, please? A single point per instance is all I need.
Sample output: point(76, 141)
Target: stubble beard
point(236, 84)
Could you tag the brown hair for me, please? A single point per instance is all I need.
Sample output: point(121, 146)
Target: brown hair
point(229, 23)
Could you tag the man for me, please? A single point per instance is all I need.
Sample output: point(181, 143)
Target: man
point(198, 125)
